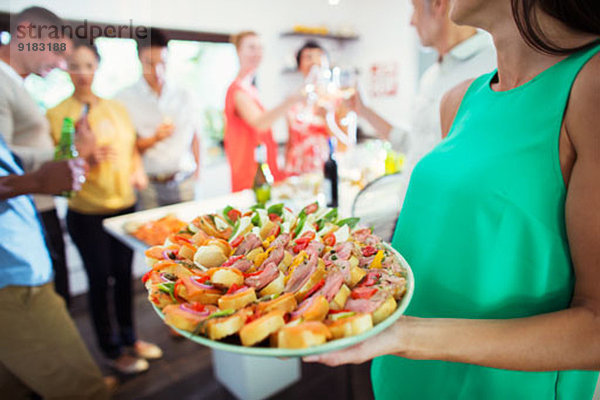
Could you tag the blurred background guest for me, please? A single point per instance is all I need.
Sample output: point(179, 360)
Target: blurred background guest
point(164, 117)
point(248, 124)
point(24, 127)
point(463, 53)
point(115, 169)
point(308, 136)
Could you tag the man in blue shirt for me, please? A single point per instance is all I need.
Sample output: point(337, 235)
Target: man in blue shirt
point(40, 347)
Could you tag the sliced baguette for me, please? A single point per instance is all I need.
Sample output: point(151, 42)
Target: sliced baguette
point(384, 310)
point(306, 334)
point(226, 277)
point(275, 287)
point(237, 300)
point(286, 303)
point(339, 301)
point(259, 329)
point(350, 326)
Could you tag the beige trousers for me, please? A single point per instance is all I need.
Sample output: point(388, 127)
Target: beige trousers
point(41, 349)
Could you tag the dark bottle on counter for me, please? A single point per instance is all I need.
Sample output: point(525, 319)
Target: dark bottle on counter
point(263, 179)
point(330, 181)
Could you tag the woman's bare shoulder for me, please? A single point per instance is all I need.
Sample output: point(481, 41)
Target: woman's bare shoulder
point(582, 117)
point(450, 104)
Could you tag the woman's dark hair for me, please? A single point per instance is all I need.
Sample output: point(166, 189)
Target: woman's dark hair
point(86, 43)
point(580, 15)
point(311, 44)
point(156, 39)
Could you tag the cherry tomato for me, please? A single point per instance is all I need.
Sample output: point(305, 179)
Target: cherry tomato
point(329, 239)
point(368, 251)
point(311, 208)
point(234, 215)
point(310, 235)
point(363, 292)
point(275, 218)
point(238, 240)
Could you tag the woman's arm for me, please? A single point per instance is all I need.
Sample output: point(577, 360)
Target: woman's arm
point(261, 120)
point(567, 339)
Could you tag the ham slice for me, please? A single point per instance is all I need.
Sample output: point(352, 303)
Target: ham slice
point(365, 237)
point(301, 275)
point(275, 257)
point(367, 305)
point(261, 280)
point(332, 285)
point(315, 248)
point(250, 242)
point(282, 240)
point(242, 264)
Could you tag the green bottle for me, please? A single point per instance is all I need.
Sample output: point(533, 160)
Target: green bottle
point(65, 149)
point(263, 179)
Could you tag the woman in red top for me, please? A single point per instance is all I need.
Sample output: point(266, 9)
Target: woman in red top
point(248, 124)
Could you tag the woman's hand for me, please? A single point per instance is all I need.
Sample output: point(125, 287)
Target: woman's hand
point(390, 341)
point(85, 139)
point(139, 179)
point(105, 153)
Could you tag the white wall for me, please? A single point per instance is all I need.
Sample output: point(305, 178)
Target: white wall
point(382, 25)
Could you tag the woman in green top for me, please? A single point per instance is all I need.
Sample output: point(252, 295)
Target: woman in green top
point(501, 223)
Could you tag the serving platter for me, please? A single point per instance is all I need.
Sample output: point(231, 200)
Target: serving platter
point(333, 345)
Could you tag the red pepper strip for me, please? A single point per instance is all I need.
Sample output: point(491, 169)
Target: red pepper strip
point(234, 215)
point(183, 239)
point(275, 231)
point(198, 307)
point(233, 288)
point(338, 311)
point(371, 278)
point(363, 293)
point(238, 240)
point(247, 274)
point(368, 251)
point(146, 276)
point(315, 288)
point(232, 261)
point(248, 213)
point(200, 278)
point(299, 247)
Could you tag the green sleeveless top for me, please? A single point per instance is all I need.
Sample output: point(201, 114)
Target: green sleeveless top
point(483, 228)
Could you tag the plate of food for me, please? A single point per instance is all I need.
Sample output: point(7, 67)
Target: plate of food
point(269, 282)
point(156, 231)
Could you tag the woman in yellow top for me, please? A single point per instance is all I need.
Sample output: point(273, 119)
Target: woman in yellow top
point(115, 170)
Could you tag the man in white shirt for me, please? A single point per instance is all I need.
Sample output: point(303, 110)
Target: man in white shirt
point(463, 53)
point(167, 126)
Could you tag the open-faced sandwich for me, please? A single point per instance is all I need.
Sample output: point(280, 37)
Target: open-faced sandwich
point(267, 276)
